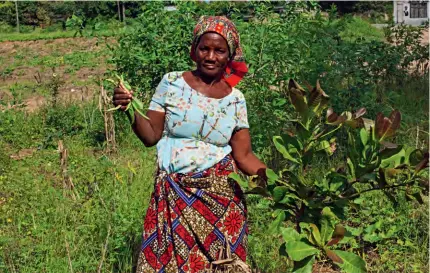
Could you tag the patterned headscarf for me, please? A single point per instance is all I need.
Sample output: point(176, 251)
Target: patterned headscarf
point(236, 68)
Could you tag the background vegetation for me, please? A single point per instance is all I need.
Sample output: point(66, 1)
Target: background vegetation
point(95, 226)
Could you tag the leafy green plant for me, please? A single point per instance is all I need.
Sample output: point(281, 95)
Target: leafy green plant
point(372, 164)
point(316, 240)
point(77, 24)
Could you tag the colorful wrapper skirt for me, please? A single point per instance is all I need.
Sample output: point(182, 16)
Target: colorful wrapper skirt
point(192, 219)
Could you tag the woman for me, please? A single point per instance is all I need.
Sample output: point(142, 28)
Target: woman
point(198, 121)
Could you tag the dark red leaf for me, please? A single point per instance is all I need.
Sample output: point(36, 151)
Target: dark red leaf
point(293, 84)
point(333, 256)
point(382, 181)
point(379, 124)
point(386, 124)
point(338, 234)
point(360, 112)
point(423, 164)
point(395, 118)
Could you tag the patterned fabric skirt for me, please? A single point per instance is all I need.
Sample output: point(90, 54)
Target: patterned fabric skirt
point(192, 219)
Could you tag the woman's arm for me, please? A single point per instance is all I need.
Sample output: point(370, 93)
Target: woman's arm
point(148, 131)
point(242, 153)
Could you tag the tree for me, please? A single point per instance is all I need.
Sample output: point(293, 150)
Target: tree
point(17, 17)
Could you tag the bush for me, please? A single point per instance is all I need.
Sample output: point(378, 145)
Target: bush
point(6, 28)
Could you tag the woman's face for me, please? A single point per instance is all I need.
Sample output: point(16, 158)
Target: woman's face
point(212, 54)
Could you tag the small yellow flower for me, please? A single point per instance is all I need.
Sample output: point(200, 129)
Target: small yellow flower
point(9, 220)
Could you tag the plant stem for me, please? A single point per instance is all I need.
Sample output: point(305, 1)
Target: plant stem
point(373, 189)
point(332, 131)
point(299, 215)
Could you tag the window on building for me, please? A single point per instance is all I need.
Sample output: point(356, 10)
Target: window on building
point(418, 9)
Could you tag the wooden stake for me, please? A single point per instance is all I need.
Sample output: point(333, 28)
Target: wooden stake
point(109, 122)
point(99, 269)
point(68, 186)
point(68, 254)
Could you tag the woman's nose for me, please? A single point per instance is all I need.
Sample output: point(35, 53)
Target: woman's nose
point(211, 55)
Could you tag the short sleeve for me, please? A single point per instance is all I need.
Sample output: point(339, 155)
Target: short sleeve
point(159, 98)
point(241, 115)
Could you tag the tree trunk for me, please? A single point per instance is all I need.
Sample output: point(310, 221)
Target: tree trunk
point(17, 17)
point(119, 11)
point(123, 11)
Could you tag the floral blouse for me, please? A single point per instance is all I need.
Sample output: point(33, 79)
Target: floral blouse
point(197, 128)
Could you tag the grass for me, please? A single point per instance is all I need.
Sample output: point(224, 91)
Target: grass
point(40, 34)
point(106, 29)
point(357, 28)
point(38, 236)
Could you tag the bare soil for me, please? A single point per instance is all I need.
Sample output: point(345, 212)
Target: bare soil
point(77, 84)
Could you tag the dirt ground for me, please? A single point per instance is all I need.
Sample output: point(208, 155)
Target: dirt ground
point(30, 62)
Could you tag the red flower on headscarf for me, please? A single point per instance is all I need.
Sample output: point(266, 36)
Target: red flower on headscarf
point(233, 222)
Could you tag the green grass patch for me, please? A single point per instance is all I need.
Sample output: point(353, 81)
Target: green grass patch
point(42, 228)
point(357, 28)
point(40, 35)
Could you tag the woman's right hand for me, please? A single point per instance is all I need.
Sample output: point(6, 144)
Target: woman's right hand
point(121, 97)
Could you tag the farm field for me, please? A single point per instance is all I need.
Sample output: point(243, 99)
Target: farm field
point(82, 210)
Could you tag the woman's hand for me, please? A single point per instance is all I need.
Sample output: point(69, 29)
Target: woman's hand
point(121, 97)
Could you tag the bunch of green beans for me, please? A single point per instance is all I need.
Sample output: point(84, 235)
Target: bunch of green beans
point(135, 105)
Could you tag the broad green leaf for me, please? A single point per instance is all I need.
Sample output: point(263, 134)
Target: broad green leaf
point(289, 198)
point(414, 156)
point(418, 197)
point(236, 177)
point(279, 192)
point(275, 225)
point(324, 145)
point(327, 222)
point(293, 144)
point(258, 190)
point(298, 101)
point(272, 176)
point(298, 250)
point(316, 236)
point(305, 265)
point(351, 169)
point(390, 150)
point(131, 113)
point(394, 160)
point(364, 136)
point(352, 263)
point(278, 141)
point(289, 234)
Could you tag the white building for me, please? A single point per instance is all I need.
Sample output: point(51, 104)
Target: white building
point(411, 12)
